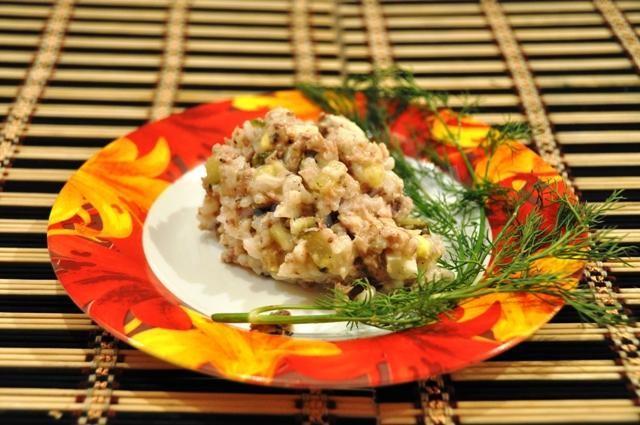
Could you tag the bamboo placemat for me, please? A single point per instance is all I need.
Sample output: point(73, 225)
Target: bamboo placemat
point(76, 74)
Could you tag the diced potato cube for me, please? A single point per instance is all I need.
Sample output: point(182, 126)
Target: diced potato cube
point(329, 176)
point(281, 236)
point(264, 144)
point(272, 260)
point(299, 225)
point(322, 183)
point(373, 175)
point(401, 268)
point(334, 257)
point(319, 249)
point(213, 170)
point(425, 247)
point(273, 168)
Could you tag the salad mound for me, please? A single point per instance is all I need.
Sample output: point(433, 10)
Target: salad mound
point(314, 204)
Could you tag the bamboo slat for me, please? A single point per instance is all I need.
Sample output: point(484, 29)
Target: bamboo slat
point(285, 80)
point(192, 78)
point(588, 370)
point(591, 99)
point(630, 265)
point(37, 174)
point(523, 412)
point(30, 287)
point(78, 131)
point(101, 111)
point(266, 63)
point(443, 67)
point(476, 35)
point(462, 83)
point(551, 7)
point(194, 45)
point(22, 24)
point(48, 321)
point(606, 183)
point(22, 226)
point(138, 401)
point(422, 9)
point(242, 31)
point(630, 296)
point(571, 49)
point(56, 152)
point(592, 137)
point(624, 235)
point(103, 94)
point(544, 81)
point(202, 96)
point(580, 64)
point(594, 117)
point(398, 22)
point(251, 5)
point(110, 59)
point(634, 17)
point(28, 11)
point(24, 255)
point(444, 50)
point(97, 27)
point(577, 33)
point(267, 33)
point(252, 18)
point(565, 19)
point(182, 402)
point(426, 36)
point(622, 208)
point(602, 159)
point(18, 199)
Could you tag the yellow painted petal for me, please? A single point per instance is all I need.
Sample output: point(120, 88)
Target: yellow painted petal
point(67, 205)
point(466, 131)
point(565, 266)
point(118, 184)
point(290, 99)
point(520, 314)
point(229, 350)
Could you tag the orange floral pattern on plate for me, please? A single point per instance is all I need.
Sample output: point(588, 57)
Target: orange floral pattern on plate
point(96, 249)
point(112, 190)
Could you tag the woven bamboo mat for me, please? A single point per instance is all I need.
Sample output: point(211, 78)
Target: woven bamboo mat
point(76, 74)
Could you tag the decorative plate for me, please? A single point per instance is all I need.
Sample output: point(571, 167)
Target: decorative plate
point(123, 241)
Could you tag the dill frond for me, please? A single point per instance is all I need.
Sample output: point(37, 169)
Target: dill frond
point(515, 251)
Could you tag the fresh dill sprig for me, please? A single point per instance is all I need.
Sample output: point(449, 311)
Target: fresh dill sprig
point(513, 261)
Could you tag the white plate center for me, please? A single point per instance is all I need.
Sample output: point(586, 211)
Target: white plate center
point(187, 262)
